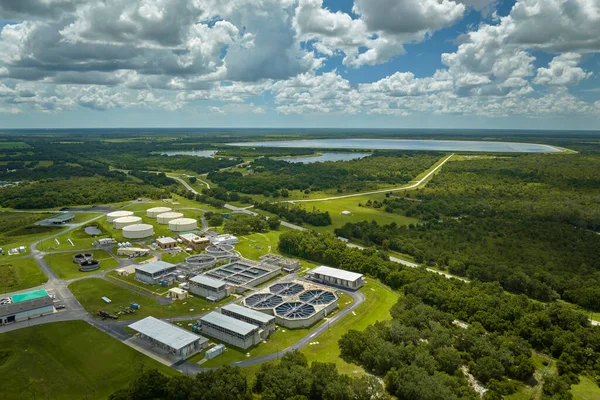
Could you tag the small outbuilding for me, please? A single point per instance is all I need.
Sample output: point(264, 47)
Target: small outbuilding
point(346, 213)
point(166, 242)
point(168, 337)
point(178, 294)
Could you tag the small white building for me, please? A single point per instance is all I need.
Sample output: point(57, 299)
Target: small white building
point(224, 239)
point(132, 251)
point(170, 338)
point(346, 213)
point(178, 294)
point(166, 242)
point(154, 272)
point(337, 277)
point(209, 288)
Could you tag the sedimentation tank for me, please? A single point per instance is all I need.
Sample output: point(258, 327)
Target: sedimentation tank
point(110, 217)
point(122, 222)
point(167, 217)
point(183, 224)
point(138, 231)
point(154, 212)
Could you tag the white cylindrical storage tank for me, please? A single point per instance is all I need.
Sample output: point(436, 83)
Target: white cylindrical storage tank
point(110, 217)
point(183, 224)
point(165, 218)
point(122, 222)
point(138, 231)
point(154, 212)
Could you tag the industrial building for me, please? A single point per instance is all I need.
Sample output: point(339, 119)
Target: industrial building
point(244, 274)
point(230, 330)
point(264, 321)
point(154, 272)
point(183, 224)
point(166, 242)
point(337, 277)
point(110, 217)
point(294, 304)
point(23, 306)
point(209, 288)
point(165, 218)
point(132, 251)
point(156, 211)
point(170, 338)
point(59, 219)
point(138, 231)
point(287, 265)
point(224, 239)
point(194, 241)
point(122, 222)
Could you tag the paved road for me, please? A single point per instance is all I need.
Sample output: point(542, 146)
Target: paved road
point(184, 183)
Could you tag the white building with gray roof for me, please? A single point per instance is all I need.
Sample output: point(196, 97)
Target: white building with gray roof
point(230, 330)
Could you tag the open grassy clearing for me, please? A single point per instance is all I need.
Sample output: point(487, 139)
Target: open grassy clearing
point(255, 245)
point(67, 360)
point(89, 292)
point(335, 207)
point(586, 389)
point(17, 229)
point(378, 301)
point(13, 145)
point(19, 273)
point(130, 280)
point(62, 264)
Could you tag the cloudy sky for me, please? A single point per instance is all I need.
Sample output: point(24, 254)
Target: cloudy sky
point(300, 63)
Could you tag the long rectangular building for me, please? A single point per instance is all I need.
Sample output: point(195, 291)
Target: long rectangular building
point(154, 272)
point(209, 288)
point(337, 277)
point(230, 330)
point(22, 310)
point(169, 337)
point(264, 321)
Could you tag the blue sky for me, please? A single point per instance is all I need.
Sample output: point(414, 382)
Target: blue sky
point(300, 63)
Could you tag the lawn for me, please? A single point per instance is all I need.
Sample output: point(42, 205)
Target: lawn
point(19, 229)
point(254, 245)
point(130, 280)
point(335, 207)
point(89, 292)
point(379, 299)
point(62, 264)
point(80, 239)
point(19, 273)
point(586, 389)
point(67, 360)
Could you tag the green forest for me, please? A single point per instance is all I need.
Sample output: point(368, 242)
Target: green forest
point(423, 342)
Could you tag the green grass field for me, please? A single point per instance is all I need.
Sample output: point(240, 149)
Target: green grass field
point(586, 389)
point(335, 207)
point(89, 292)
point(67, 360)
point(157, 290)
point(62, 264)
point(254, 245)
point(19, 273)
point(13, 145)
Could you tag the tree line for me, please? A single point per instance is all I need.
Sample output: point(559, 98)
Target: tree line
point(295, 214)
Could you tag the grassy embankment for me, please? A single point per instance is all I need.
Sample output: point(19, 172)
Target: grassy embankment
point(67, 360)
point(62, 264)
point(20, 273)
point(89, 292)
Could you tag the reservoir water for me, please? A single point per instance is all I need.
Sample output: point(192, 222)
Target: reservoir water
point(324, 157)
point(197, 153)
point(403, 144)
point(92, 230)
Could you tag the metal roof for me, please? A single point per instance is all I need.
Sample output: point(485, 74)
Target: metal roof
point(154, 267)
point(27, 305)
point(336, 273)
point(166, 240)
point(208, 281)
point(165, 333)
point(62, 217)
point(255, 315)
point(34, 294)
point(229, 323)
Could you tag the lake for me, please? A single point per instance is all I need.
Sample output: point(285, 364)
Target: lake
point(403, 144)
point(196, 153)
point(324, 157)
point(92, 230)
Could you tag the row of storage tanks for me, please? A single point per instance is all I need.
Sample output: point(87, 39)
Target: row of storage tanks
point(133, 228)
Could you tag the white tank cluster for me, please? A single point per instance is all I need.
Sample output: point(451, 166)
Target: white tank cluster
point(183, 224)
point(122, 222)
point(156, 211)
point(110, 217)
point(167, 217)
point(138, 231)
